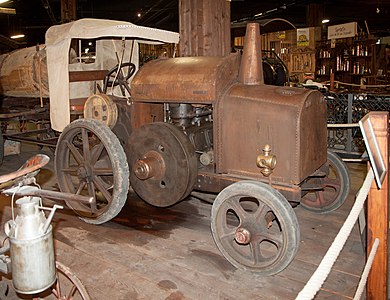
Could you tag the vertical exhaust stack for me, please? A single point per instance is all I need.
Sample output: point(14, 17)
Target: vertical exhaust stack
point(251, 68)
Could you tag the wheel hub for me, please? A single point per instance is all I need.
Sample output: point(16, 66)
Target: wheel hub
point(242, 236)
point(84, 173)
point(151, 166)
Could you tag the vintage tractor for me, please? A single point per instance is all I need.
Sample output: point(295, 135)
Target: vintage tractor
point(210, 125)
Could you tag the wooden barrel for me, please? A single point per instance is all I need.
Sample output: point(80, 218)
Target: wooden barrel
point(23, 73)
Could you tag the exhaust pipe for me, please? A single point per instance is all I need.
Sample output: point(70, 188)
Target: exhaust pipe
point(251, 68)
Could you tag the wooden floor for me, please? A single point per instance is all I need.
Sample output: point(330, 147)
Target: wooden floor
point(159, 253)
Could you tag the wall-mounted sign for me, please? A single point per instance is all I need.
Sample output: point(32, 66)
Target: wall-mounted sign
point(342, 31)
point(280, 35)
point(303, 35)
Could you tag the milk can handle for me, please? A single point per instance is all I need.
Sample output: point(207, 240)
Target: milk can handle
point(51, 215)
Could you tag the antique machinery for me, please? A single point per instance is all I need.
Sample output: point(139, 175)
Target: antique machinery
point(210, 124)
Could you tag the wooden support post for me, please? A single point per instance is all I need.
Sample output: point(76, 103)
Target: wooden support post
point(332, 82)
point(377, 214)
point(204, 27)
point(68, 11)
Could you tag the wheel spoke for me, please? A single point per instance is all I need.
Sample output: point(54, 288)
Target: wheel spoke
point(86, 152)
point(70, 170)
point(228, 235)
point(260, 212)
point(96, 153)
point(103, 172)
point(81, 187)
point(320, 198)
point(71, 293)
point(76, 154)
point(256, 252)
point(334, 183)
point(273, 238)
point(100, 185)
point(238, 209)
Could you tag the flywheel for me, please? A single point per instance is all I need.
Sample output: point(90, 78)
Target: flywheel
point(163, 164)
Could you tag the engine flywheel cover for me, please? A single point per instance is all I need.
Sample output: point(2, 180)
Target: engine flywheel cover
point(169, 174)
point(102, 108)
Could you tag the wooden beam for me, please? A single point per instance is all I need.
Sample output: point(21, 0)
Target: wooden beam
point(377, 214)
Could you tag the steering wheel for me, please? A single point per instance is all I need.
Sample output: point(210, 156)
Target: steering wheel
point(116, 77)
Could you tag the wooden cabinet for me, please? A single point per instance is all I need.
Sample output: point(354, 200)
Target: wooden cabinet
point(301, 61)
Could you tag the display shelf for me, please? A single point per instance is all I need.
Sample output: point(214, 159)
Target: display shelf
point(349, 60)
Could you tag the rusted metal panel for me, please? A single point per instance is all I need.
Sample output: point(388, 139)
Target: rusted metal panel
point(292, 121)
point(185, 79)
point(145, 113)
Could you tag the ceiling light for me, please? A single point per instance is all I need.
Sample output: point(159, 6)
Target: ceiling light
point(324, 21)
point(139, 15)
point(17, 36)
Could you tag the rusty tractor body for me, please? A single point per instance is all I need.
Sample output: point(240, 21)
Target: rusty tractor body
point(206, 126)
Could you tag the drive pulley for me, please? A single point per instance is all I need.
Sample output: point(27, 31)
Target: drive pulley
point(163, 164)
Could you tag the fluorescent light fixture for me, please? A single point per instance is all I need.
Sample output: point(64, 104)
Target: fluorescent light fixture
point(324, 21)
point(3, 1)
point(17, 36)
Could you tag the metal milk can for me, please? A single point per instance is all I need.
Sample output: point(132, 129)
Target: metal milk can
point(31, 246)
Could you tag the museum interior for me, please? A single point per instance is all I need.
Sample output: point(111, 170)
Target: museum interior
point(194, 149)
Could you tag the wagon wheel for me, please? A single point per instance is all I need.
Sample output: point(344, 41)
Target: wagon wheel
point(90, 160)
point(117, 76)
point(255, 227)
point(163, 164)
point(336, 188)
point(68, 286)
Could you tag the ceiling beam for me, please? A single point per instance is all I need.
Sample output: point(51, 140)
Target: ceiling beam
point(49, 11)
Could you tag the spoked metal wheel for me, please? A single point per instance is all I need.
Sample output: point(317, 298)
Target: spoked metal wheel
point(336, 186)
point(255, 228)
point(90, 160)
point(68, 286)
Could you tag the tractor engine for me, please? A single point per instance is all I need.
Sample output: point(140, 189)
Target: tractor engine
point(197, 123)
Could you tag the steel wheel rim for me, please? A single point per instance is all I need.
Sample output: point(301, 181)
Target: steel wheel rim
point(327, 196)
point(267, 243)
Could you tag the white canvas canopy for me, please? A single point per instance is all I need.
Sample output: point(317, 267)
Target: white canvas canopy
point(58, 42)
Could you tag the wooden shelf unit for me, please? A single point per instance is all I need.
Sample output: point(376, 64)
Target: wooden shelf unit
point(351, 60)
